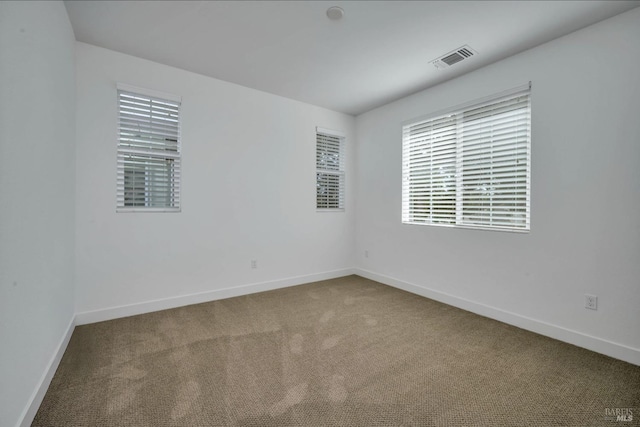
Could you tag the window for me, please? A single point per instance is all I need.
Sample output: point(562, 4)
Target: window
point(470, 167)
point(329, 170)
point(148, 171)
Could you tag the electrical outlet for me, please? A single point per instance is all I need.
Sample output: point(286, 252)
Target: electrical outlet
point(254, 263)
point(591, 302)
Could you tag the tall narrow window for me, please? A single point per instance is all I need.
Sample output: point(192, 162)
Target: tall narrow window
point(470, 167)
point(148, 172)
point(329, 170)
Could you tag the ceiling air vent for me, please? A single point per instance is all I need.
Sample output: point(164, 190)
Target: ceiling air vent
point(454, 57)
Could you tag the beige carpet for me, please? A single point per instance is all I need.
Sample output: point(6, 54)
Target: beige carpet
point(344, 352)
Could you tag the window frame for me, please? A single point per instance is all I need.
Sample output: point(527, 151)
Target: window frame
point(456, 115)
point(175, 192)
point(339, 172)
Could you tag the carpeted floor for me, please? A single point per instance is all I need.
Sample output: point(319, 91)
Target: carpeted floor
point(343, 352)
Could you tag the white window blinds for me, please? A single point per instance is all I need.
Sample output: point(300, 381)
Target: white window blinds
point(470, 167)
point(329, 170)
point(148, 167)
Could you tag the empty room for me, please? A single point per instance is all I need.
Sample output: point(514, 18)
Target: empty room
point(314, 213)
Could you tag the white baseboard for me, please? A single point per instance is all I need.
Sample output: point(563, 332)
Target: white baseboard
point(599, 345)
point(197, 298)
point(31, 409)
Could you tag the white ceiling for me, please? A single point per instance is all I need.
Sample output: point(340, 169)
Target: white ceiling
point(380, 51)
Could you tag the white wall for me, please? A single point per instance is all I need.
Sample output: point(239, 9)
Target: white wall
point(248, 193)
point(37, 168)
point(585, 234)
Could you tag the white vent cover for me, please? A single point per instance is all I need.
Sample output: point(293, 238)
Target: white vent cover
point(454, 57)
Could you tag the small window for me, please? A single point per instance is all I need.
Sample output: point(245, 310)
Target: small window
point(470, 167)
point(329, 170)
point(148, 172)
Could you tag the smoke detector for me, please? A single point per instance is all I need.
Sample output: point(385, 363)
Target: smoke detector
point(335, 13)
point(453, 57)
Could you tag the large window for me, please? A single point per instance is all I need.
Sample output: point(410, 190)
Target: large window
point(148, 172)
point(329, 170)
point(470, 167)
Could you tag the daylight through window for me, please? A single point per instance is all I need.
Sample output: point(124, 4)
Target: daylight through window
point(470, 167)
point(148, 172)
point(329, 170)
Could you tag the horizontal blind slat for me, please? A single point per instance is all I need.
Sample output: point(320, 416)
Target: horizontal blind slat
point(329, 171)
point(148, 162)
point(470, 166)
